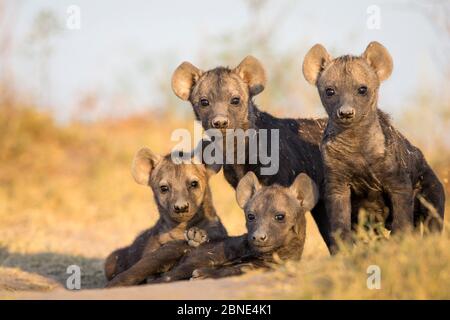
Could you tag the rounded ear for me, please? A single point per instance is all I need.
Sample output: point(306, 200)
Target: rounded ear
point(315, 62)
point(253, 73)
point(143, 163)
point(379, 59)
point(246, 189)
point(306, 191)
point(184, 78)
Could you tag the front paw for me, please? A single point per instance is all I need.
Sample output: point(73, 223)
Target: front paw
point(199, 274)
point(195, 236)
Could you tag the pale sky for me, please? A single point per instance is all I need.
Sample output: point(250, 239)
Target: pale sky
point(121, 44)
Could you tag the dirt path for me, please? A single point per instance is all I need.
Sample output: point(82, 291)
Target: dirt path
point(230, 288)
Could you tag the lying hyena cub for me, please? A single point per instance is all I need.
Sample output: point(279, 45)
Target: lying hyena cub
point(185, 207)
point(362, 152)
point(276, 226)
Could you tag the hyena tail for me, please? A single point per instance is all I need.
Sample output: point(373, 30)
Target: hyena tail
point(430, 201)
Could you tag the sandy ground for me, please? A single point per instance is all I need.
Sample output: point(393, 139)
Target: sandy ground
point(38, 282)
point(229, 288)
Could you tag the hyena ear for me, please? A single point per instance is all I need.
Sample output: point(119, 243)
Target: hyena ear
point(143, 163)
point(184, 78)
point(306, 191)
point(253, 73)
point(246, 189)
point(315, 62)
point(379, 59)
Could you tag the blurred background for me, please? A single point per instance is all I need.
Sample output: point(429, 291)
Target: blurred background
point(84, 84)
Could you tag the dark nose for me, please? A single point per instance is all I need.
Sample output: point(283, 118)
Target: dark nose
point(181, 208)
point(346, 112)
point(259, 237)
point(220, 122)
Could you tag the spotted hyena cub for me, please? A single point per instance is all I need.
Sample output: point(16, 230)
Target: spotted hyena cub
point(224, 99)
point(363, 154)
point(276, 226)
point(186, 211)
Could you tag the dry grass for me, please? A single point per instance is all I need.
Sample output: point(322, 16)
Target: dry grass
point(67, 197)
point(411, 268)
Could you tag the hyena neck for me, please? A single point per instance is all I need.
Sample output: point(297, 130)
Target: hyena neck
point(291, 251)
point(366, 132)
point(251, 124)
point(366, 142)
point(206, 210)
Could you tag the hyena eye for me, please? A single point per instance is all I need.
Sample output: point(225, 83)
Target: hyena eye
point(194, 184)
point(251, 217)
point(235, 100)
point(164, 189)
point(279, 216)
point(329, 92)
point(362, 90)
point(204, 102)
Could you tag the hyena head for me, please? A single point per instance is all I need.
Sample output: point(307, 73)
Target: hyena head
point(179, 187)
point(221, 97)
point(274, 214)
point(348, 85)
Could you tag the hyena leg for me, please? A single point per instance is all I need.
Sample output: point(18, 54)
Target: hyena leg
point(339, 209)
point(432, 202)
point(150, 264)
point(116, 263)
point(402, 209)
point(224, 271)
point(199, 258)
point(183, 271)
point(319, 214)
point(161, 239)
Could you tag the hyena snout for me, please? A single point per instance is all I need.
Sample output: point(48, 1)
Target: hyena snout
point(181, 207)
point(220, 122)
point(259, 238)
point(346, 112)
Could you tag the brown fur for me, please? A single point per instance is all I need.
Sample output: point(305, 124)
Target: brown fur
point(299, 139)
point(267, 237)
point(196, 224)
point(364, 155)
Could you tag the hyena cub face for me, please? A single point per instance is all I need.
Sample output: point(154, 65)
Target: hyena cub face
point(221, 96)
point(275, 215)
point(348, 85)
point(178, 187)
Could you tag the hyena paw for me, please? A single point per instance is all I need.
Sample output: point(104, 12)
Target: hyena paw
point(195, 236)
point(198, 274)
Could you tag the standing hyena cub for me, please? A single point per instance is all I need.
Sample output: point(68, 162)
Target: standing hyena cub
point(363, 154)
point(185, 207)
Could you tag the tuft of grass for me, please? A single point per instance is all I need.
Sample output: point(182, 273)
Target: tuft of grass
point(411, 267)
